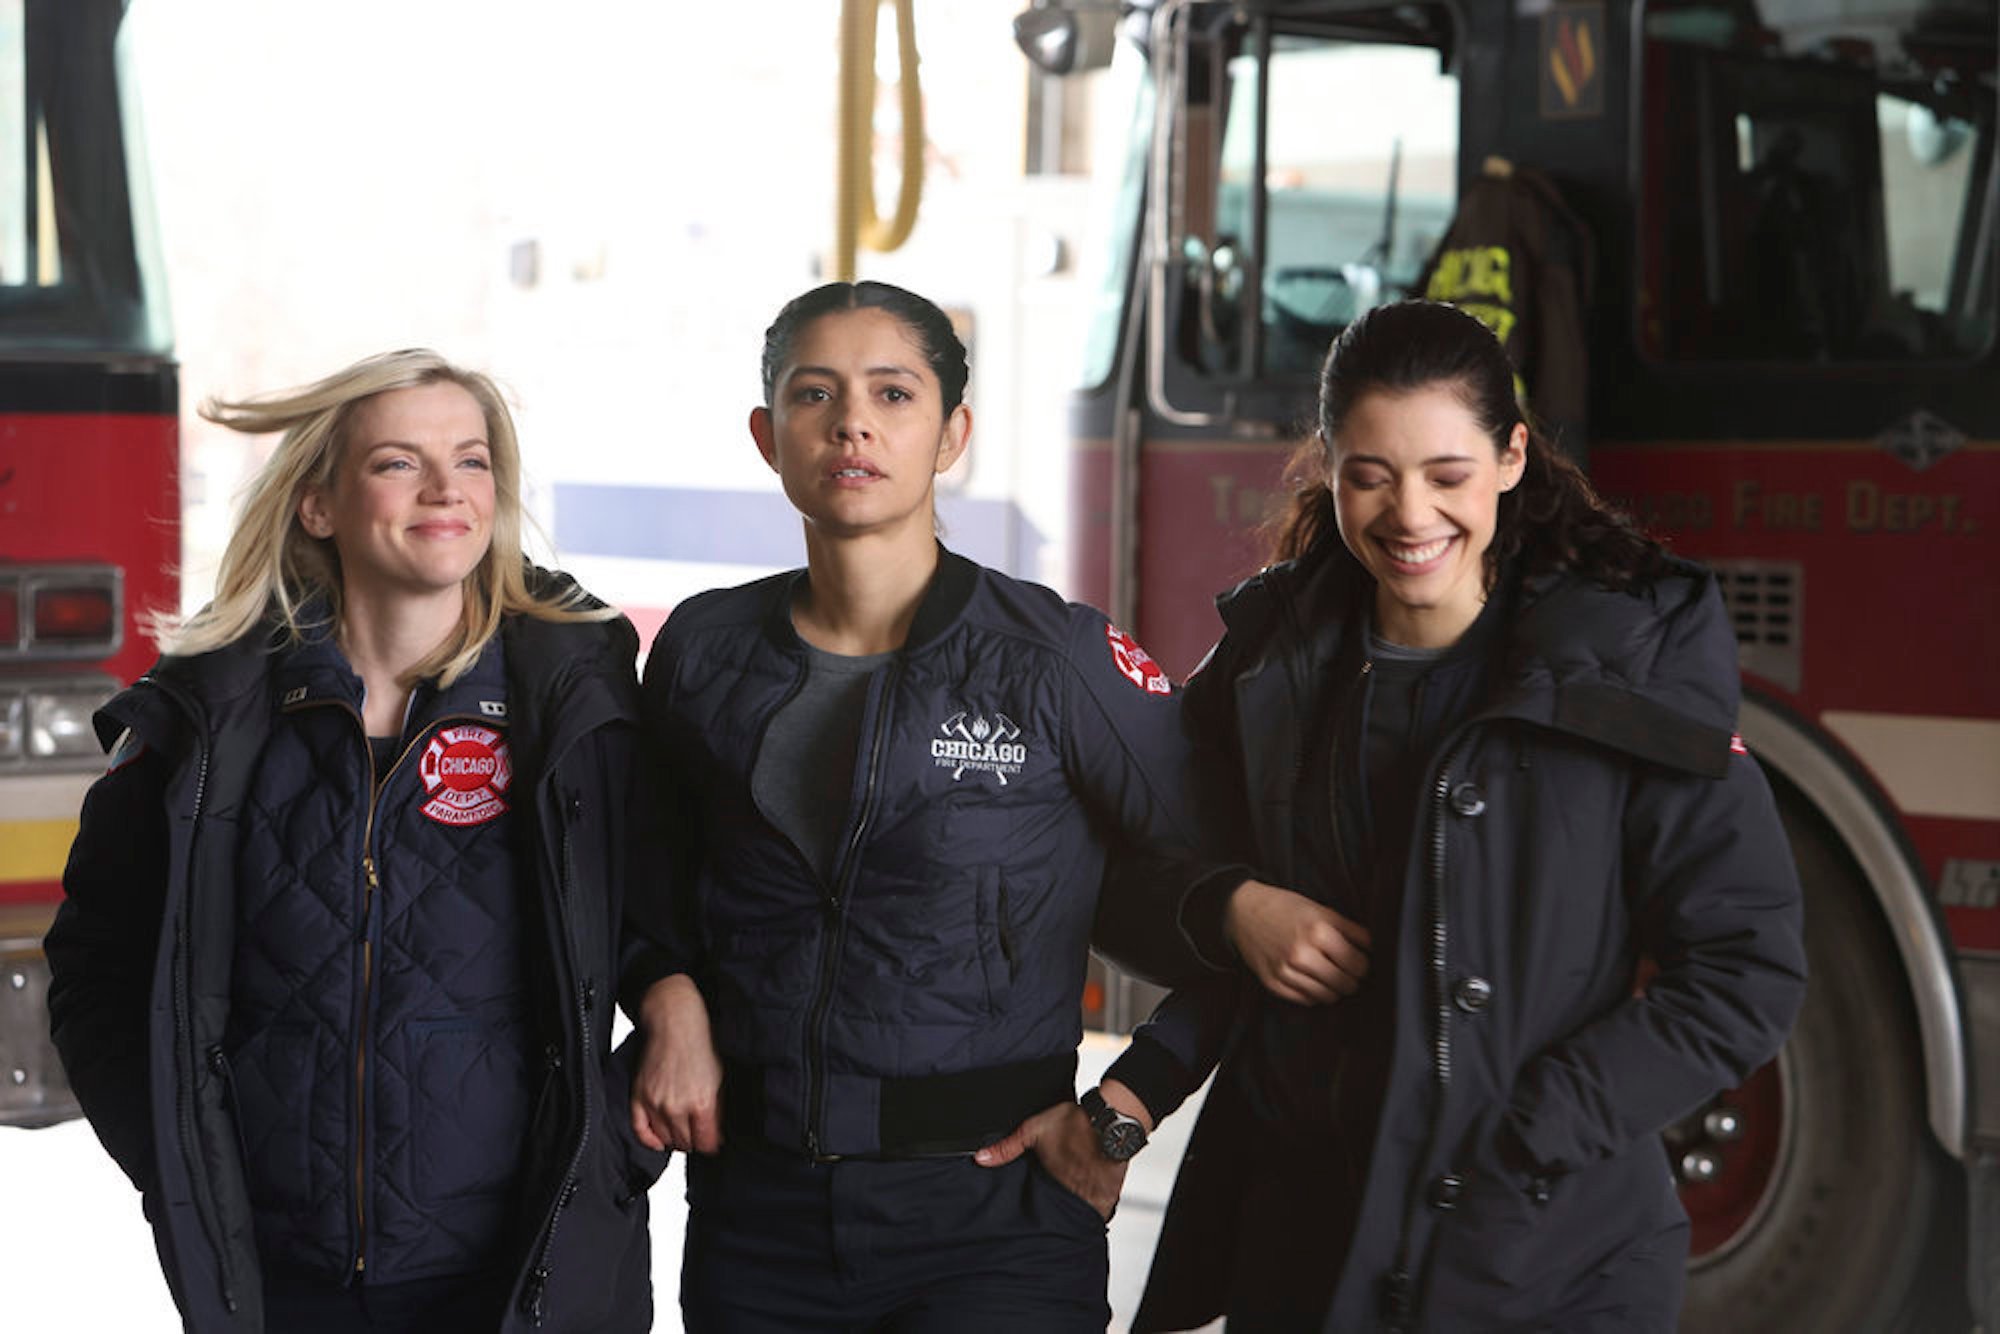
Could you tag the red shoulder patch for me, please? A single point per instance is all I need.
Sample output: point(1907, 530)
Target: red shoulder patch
point(1135, 664)
point(466, 771)
point(1736, 746)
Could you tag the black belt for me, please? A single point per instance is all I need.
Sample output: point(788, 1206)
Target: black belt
point(925, 1116)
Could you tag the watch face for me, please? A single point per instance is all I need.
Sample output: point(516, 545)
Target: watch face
point(1121, 1139)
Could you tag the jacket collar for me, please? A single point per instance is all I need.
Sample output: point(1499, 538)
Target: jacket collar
point(315, 671)
point(944, 601)
point(1649, 672)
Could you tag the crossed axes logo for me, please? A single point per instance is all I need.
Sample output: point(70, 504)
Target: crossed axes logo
point(970, 741)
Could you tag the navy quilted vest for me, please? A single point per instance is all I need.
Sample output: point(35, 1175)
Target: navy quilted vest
point(379, 1043)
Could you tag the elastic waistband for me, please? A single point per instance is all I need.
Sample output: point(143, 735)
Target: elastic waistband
point(926, 1115)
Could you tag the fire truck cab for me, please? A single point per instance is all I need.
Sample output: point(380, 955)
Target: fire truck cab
point(89, 471)
point(1751, 259)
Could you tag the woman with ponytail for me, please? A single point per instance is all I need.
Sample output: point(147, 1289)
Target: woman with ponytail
point(1522, 898)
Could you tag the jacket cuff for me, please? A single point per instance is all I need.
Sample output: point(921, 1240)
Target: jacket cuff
point(1203, 915)
point(1155, 1076)
point(642, 966)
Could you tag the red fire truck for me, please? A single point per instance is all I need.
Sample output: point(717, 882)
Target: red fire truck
point(89, 472)
point(1786, 225)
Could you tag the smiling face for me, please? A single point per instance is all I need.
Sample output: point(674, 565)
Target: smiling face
point(1416, 486)
point(857, 430)
point(411, 506)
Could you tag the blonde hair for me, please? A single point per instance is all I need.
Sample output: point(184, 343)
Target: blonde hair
point(272, 567)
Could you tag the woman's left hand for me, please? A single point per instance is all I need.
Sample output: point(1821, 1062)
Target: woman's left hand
point(1062, 1138)
point(677, 1089)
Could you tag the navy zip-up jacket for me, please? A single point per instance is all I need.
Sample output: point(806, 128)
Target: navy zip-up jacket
point(379, 1052)
point(928, 995)
point(144, 949)
point(1595, 808)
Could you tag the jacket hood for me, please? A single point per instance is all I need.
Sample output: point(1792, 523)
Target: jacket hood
point(1650, 671)
point(544, 657)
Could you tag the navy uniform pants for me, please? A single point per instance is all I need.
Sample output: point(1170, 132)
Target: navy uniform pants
point(920, 1246)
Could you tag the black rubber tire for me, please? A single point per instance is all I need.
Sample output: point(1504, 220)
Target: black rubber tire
point(1858, 1230)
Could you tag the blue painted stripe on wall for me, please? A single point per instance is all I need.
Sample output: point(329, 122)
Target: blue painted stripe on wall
point(757, 527)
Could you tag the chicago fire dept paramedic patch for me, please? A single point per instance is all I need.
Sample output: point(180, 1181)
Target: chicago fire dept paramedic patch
point(466, 771)
point(1136, 664)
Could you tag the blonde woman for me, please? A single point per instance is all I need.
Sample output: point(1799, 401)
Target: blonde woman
point(333, 978)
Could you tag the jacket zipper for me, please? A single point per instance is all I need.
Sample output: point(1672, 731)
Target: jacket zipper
point(371, 881)
point(1290, 618)
point(184, 1098)
point(184, 1026)
point(835, 905)
point(1401, 1282)
point(533, 1295)
point(1341, 866)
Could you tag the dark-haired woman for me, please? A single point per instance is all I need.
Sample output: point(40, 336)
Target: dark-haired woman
point(901, 773)
point(1475, 718)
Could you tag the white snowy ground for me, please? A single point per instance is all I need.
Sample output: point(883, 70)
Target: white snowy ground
point(75, 1254)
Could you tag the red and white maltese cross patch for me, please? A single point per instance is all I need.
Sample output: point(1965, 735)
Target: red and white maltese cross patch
point(1136, 664)
point(466, 771)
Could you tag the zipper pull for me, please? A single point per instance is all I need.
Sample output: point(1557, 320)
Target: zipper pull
point(368, 869)
point(531, 1297)
point(1397, 1305)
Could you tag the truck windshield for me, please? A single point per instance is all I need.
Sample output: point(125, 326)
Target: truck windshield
point(78, 264)
point(1815, 196)
point(1360, 161)
point(1121, 96)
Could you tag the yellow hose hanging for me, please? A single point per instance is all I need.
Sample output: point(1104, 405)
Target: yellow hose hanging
point(855, 222)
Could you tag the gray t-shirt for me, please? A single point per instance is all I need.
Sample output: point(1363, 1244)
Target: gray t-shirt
point(804, 779)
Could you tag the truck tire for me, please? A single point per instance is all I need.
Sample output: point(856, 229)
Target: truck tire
point(1831, 1206)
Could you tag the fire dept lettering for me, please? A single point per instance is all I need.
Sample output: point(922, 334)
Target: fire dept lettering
point(973, 741)
point(466, 771)
point(1135, 663)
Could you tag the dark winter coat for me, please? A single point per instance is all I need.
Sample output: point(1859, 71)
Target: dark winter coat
point(1596, 808)
point(927, 996)
point(143, 948)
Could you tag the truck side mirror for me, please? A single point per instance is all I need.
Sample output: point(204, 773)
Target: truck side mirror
point(1067, 39)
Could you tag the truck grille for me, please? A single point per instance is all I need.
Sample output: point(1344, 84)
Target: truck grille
point(1765, 601)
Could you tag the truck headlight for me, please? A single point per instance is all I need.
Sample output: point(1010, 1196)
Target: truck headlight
point(58, 723)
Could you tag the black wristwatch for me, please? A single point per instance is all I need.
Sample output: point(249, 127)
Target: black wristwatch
point(1118, 1136)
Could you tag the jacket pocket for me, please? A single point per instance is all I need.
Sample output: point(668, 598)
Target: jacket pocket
point(271, 1088)
point(469, 1108)
point(997, 942)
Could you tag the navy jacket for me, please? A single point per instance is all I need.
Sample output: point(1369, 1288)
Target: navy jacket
point(1595, 808)
point(153, 976)
point(926, 997)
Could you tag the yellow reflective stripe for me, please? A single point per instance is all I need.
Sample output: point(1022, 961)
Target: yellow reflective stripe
point(35, 849)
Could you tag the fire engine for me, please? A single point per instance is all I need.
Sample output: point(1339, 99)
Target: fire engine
point(89, 472)
point(1772, 227)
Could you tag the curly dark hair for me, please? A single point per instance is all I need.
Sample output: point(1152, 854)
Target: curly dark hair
point(1551, 520)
